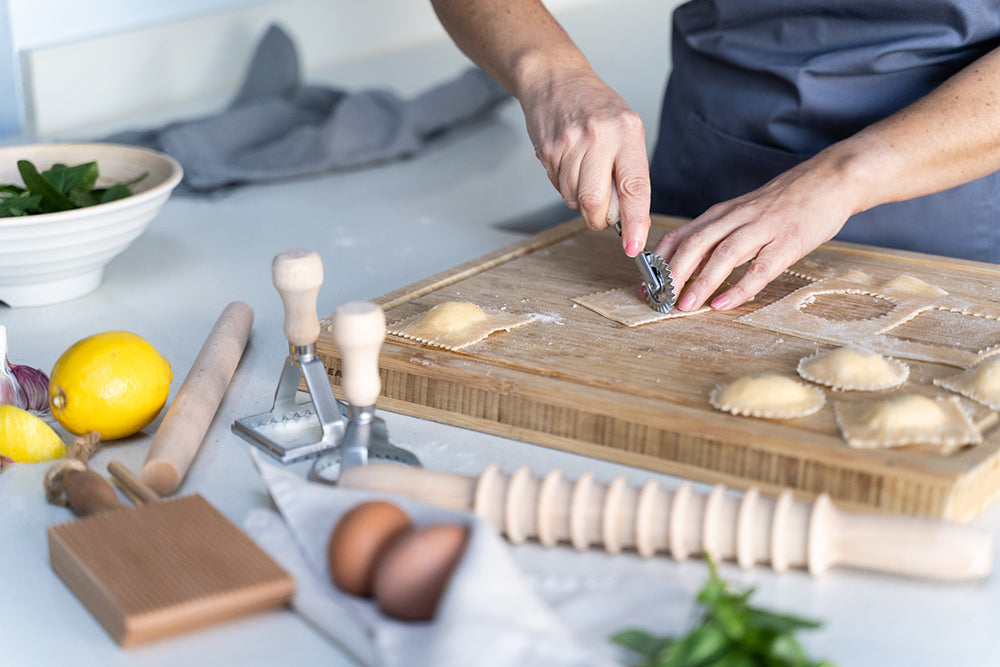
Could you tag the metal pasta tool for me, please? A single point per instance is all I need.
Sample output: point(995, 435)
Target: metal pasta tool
point(657, 286)
point(358, 332)
point(291, 430)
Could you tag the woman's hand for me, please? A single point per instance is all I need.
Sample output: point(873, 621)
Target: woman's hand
point(771, 228)
point(593, 148)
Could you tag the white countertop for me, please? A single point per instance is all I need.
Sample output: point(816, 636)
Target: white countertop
point(377, 230)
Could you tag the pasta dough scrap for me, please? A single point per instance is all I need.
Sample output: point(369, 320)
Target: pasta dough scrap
point(853, 368)
point(907, 419)
point(625, 306)
point(454, 325)
point(767, 395)
point(981, 383)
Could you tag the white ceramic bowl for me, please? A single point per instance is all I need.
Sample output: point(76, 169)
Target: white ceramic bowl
point(54, 257)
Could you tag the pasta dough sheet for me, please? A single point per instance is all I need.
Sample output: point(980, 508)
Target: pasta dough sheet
point(455, 325)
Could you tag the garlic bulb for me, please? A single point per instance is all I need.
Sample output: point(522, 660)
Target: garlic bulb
point(21, 386)
point(10, 390)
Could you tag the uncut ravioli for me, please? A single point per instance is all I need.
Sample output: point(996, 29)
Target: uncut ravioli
point(981, 383)
point(767, 395)
point(907, 419)
point(454, 325)
point(853, 368)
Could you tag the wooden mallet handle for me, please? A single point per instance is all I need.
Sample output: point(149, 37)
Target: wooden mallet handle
point(188, 418)
point(298, 275)
point(358, 332)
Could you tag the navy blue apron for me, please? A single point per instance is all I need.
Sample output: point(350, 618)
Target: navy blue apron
point(758, 86)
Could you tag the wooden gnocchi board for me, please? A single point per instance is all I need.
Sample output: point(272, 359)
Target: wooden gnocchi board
point(577, 381)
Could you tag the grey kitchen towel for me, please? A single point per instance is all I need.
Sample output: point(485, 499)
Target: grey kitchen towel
point(277, 127)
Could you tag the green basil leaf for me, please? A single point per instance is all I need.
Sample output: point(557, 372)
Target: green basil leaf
point(737, 658)
point(641, 642)
point(83, 198)
point(701, 647)
point(52, 199)
point(779, 623)
point(788, 650)
point(18, 205)
point(66, 179)
point(138, 179)
point(114, 193)
point(60, 188)
point(731, 633)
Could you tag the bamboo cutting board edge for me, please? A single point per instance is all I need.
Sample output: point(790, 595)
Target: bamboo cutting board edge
point(447, 367)
point(857, 479)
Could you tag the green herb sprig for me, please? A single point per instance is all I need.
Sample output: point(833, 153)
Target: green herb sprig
point(732, 633)
point(59, 188)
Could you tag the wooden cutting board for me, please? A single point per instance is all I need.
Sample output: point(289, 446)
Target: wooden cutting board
point(577, 381)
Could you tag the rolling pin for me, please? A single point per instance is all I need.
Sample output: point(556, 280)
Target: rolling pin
point(750, 529)
point(187, 420)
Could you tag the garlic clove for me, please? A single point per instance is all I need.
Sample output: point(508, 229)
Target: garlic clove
point(34, 385)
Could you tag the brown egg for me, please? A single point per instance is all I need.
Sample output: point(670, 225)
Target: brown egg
point(358, 542)
point(416, 568)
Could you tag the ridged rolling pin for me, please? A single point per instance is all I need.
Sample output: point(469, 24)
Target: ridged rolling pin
point(188, 418)
point(748, 528)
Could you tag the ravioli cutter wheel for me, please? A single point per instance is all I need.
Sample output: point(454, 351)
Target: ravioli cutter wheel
point(657, 287)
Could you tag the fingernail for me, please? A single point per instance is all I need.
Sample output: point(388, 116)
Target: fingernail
point(720, 303)
point(686, 302)
point(632, 248)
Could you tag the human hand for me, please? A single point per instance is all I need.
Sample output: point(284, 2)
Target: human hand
point(593, 148)
point(771, 228)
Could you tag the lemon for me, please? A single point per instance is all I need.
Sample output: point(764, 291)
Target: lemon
point(114, 383)
point(27, 439)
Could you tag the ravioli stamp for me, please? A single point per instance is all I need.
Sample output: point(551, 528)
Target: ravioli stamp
point(454, 325)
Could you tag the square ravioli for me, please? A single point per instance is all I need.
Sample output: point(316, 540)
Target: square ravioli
point(907, 419)
point(455, 325)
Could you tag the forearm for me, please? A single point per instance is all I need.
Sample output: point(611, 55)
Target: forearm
point(590, 142)
point(947, 138)
point(515, 41)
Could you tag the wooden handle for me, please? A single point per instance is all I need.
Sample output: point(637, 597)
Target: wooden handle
point(137, 491)
point(358, 332)
point(912, 546)
point(747, 528)
point(87, 492)
point(298, 275)
point(188, 418)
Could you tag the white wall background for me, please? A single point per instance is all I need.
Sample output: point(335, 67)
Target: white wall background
point(71, 64)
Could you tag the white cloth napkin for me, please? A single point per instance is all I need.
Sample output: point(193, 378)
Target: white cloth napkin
point(489, 615)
